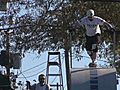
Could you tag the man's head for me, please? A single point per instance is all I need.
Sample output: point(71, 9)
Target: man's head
point(42, 79)
point(90, 14)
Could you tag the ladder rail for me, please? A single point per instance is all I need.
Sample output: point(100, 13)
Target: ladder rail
point(57, 63)
point(61, 79)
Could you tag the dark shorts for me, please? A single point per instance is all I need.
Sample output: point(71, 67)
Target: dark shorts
point(91, 43)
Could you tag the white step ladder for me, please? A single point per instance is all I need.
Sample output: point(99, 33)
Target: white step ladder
point(58, 74)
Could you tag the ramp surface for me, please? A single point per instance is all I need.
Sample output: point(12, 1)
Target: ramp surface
point(93, 79)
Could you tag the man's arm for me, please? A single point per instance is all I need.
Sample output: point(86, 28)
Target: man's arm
point(109, 26)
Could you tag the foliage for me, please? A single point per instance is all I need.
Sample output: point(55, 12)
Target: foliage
point(47, 24)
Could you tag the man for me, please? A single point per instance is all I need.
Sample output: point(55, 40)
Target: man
point(42, 84)
point(91, 23)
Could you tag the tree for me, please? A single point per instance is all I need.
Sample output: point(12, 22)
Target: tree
point(52, 20)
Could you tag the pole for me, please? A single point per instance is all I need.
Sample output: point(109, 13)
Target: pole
point(71, 57)
point(114, 45)
point(8, 58)
point(67, 63)
point(8, 53)
point(67, 47)
point(68, 75)
point(70, 32)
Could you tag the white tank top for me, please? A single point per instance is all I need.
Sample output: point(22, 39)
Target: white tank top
point(39, 87)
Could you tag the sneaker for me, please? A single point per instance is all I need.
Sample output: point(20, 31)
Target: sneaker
point(92, 65)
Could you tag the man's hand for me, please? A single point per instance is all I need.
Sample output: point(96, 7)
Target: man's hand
point(112, 29)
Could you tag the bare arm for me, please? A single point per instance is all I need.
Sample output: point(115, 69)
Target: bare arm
point(109, 26)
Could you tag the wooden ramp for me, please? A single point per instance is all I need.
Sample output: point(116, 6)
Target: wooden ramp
point(93, 79)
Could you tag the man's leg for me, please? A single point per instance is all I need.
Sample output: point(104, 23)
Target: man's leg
point(89, 47)
point(96, 41)
point(92, 55)
point(93, 58)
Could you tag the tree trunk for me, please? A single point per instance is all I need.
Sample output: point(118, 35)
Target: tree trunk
point(68, 75)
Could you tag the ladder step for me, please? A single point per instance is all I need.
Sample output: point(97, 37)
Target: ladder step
point(53, 63)
point(53, 53)
point(54, 74)
point(54, 85)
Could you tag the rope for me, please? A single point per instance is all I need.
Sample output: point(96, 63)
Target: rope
point(31, 68)
point(34, 74)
